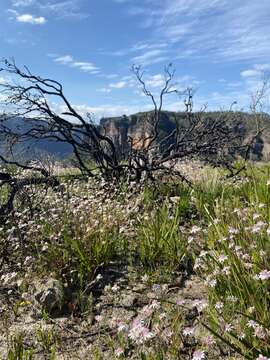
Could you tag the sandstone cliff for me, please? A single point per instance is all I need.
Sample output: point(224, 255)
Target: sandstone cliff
point(135, 128)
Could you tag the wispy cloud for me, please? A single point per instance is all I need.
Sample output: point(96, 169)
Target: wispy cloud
point(216, 29)
point(151, 57)
point(118, 85)
point(104, 90)
point(64, 9)
point(85, 66)
point(58, 9)
point(23, 3)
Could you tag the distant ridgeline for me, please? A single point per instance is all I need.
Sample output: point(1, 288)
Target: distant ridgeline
point(136, 127)
point(34, 148)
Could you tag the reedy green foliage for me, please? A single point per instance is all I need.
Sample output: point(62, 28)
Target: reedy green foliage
point(18, 351)
point(237, 265)
point(160, 241)
point(84, 255)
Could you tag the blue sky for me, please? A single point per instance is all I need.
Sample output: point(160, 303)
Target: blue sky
point(220, 47)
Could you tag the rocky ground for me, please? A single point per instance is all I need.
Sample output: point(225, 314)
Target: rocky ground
point(111, 309)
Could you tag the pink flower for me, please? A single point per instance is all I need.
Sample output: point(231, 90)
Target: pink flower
point(203, 253)
point(200, 304)
point(212, 283)
point(208, 340)
point(219, 305)
point(122, 327)
point(263, 275)
point(226, 270)
point(154, 305)
point(198, 355)
point(228, 327)
point(233, 230)
point(118, 352)
point(188, 331)
point(139, 333)
point(180, 302)
point(252, 324)
point(242, 335)
point(259, 332)
point(195, 229)
point(222, 258)
point(261, 357)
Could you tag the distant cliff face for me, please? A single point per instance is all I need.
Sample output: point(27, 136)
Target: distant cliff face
point(135, 129)
point(126, 131)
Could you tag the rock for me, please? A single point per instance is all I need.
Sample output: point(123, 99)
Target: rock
point(139, 288)
point(49, 295)
point(129, 300)
point(175, 199)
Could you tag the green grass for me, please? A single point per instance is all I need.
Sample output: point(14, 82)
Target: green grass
point(238, 250)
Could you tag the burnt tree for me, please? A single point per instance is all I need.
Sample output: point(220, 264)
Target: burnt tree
point(32, 99)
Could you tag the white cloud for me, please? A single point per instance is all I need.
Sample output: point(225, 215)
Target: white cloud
point(85, 66)
point(257, 72)
point(107, 110)
point(118, 85)
point(31, 19)
point(250, 73)
point(3, 81)
point(66, 59)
